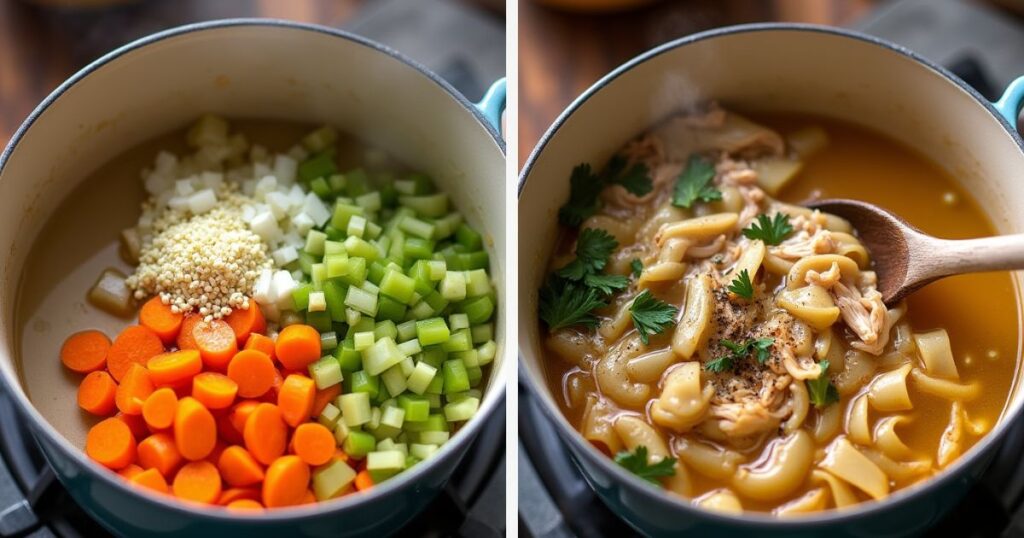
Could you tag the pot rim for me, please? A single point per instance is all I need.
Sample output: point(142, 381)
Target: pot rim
point(751, 519)
point(459, 441)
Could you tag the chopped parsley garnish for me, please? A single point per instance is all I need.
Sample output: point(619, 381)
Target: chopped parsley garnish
point(742, 286)
point(738, 352)
point(770, 230)
point(636, 463)
point(585, 187)
point(564, 303)
point(636, 267)
point(822, 392)
point(694, 183)
point(593, 247)
point(607, 284)
point(650, 315)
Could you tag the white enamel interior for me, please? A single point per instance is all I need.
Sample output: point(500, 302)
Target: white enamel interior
point(258, 71)
point(797, 70)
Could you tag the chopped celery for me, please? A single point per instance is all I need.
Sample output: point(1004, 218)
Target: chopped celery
point(352, 317)
point(470, 358)
point(406, 330)
point(417, 408)
point(355, 408)
point(321, 321)
point(432, 331)
point(421, 377)
point(330, 480)
point(361, 325)
point(334, 247)
point(434, 398)
point(300, 296)
point(315, 301)
point(438, 268)
point(363, 340)
point(343, 213)
point(410, 347)
point(341, 431)
point(433, 438)
point(479, 310)
point(385, 461)
point(453, 286)
point(375, 271)
point(434, 355)
point(321, 164)
point(320, 187)
point(358, 444)
point(358, 247)
point(462, 410)
point(482, 333)
point(337, 183)
point(459, 341)
point(486, 352)
point(364, 382)
point(356, 271)
point(393, 416)
point(369, 201)
point(361, 300)
point(476, 374)
point(477, 283)
point(320, 139)
point(397, 285)
point(384, 329)
point(468, 237)
point(430, 206)
point(390, 309)
point(456, 379)
point(458, 321)
point(337, 265)
point(326, 372)
point(374, 422)
point(417, 227)
point(318, 274)
point(349, 359)
point(330, 415)
point(306, 261)
point(357, 226)
point(435, 422)
point(381, 355)
point(394, 380)
point(315, 242)
point(407, 365)
point(358, 182)
point(446, 225)
point(422, 451)
point(334, 296)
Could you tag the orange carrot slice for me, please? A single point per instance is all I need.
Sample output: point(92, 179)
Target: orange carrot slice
point(135, 388)
point(85, 351)
point(262, 343)
point(324, 397)
point(216, 343)
point(160, 452)
point(286, 482)
point(97, 393)
point(297, 346)
point(253, 371)
point(197, 481)
point(295, 399)
point(130, 470)
point(265, 433)
point(313, 443)
point(239, 468)
point(185, 339)
point(135, 423)
point(240, 413)
point(135, 345)
point(215, 391)
point(152, 479)
point(246, 322)
point(170, 369)
point(110, 443)
point(195, 431)
point(244, 505)
point(363, 480)
point(231, 495)
point(159, 318)
point(160, 408)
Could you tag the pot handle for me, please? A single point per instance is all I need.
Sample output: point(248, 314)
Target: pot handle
point(493, 103)
point(1009, 104)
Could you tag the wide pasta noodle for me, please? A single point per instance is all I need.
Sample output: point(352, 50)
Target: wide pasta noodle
point(937, 354)
point(684, 399)
point(888, 441)
point(597, 425)
point(708, 460)
point(857, 428)
point(697, 310)
point(942, 388)
point(612, 379)
point(635, 432)
point(888, 391)
point(778, 473)
point(846, 462)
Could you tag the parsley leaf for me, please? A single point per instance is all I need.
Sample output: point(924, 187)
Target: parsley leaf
point(637, 267)
point(563, 303)
point(636, 463)
point(694, 183)
point(822, 392)
point(584, 187)
point(771, 231)
point(607, 284)
point(635, 180)
point(593, 247)
point(742, 286)
point(738, 352)
point(650, 315)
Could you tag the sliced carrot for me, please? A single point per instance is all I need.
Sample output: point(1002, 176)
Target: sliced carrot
point(231, 495)
point(240, 413)
point(297, 346)
point(363, 480)
point(239, 468)
point(324, 397)
point(253, 371)
point(341, 455)
point(259, 342)
point(159, 451)
point(171, 369)
point(197, 481)
point(218, 449)
point(135, 423)
point(296, 399)
point(85, 351)
point(152, 479)
point(308, 498)
point(216, 343)
point(246, 322)
point(265, 433)
point(313, 443)
point(271, 395)
point(135, 388)
point(286, 482)
point(135, 345)
point(159, 318)
point(130, 471)
point(110, 443)
point(195, 430)
point(97, 393)
point(185, 339)
point(160, 408)
point(215, 391)
point(244, 504)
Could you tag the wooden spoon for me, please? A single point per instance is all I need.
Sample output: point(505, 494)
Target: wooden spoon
point(906, 258)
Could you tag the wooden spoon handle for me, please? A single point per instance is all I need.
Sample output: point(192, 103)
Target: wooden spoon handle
point(943, 257)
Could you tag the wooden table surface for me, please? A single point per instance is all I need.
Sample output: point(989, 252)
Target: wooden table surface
point(40, 47)
point(561, 54)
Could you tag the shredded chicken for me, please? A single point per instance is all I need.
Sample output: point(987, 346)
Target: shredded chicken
point(802, 244)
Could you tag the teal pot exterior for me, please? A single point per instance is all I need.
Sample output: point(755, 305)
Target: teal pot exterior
point(376, 92)
point(773, 67)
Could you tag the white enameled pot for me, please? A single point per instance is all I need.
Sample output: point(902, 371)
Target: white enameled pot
point(260, 69)
point(772, 67)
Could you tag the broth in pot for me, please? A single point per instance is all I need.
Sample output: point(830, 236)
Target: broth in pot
point(727, 344)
